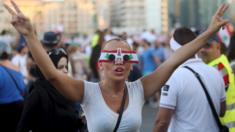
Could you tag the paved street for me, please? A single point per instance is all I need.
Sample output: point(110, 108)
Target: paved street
point(148, 119)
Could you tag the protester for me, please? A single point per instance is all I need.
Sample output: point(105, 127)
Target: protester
point(147, 58)
point(94, 58)
point(213, 54)
point(79, 62)
point(11, 91)
point(45, 109)
point(115, 65)
point(20, 59)
point(183, 104)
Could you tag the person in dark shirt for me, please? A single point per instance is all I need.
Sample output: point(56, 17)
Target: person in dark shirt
point(45, 108)
point(12, 89)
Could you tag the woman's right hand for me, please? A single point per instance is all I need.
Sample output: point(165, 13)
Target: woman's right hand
point(19, 20)
point(67, 86)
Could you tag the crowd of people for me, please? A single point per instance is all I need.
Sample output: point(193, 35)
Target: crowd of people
point(100, 82)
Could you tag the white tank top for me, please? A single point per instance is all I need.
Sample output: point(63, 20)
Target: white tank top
point(101, 118)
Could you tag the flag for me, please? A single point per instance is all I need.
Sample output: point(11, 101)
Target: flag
point(225, 34)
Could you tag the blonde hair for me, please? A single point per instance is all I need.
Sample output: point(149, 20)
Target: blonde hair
point(116, 40)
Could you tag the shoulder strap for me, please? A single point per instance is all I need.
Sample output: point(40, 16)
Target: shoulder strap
point(215, 115)
point(17, 86)
point(120, 112)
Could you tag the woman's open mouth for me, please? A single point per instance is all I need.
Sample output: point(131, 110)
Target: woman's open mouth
point(119, 71)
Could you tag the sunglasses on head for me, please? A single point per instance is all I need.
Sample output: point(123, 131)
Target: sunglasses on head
point(57, 51)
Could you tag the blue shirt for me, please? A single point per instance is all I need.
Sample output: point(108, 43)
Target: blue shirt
point(8, 89)
point(147, 60)
point(159, 52)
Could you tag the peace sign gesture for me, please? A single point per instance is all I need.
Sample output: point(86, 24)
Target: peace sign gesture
point(217, 20)
point(19, 21)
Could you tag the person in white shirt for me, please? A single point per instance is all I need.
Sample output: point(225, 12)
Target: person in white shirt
point(101, 101)
point(20, 59)
point(183, 103)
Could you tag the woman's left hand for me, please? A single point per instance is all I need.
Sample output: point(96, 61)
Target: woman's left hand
point(217, 20)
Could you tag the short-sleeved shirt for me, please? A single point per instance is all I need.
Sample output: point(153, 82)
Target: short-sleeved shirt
point(101, 118)
point(184, 94)
point(20, 61)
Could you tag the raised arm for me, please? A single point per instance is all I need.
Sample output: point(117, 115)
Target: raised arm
point(153, 82)
point(72, 89)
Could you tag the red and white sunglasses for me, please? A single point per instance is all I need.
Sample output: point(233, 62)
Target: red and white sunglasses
point(118, 56)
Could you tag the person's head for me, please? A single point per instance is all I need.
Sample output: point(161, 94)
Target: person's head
point(135, 46)
point(145, 43)
point(22, 46)
point(50, 40)
point(59, 58)
point(157, 43)
point(181, 36)
point(231, 52)
point(22, 49)
point(211, 50)
point(115, 62)
point(184, 35)
point(4, 51)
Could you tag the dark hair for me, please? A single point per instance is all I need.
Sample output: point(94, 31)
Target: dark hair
point(4, 51)
point(135, 45)
point(146, 42)
point(231, 49)
point(4, 56)
point(55, 56)
point(4, 32)
point(184, 35)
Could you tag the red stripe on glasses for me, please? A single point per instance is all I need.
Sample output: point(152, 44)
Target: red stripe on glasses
point(115, 51)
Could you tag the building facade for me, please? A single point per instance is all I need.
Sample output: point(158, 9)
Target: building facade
point(194, 13)
point(156, 15)
point(136, 15)
point(70, 16)
point(85, 16)
point(128, 15)
point(102, 14)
